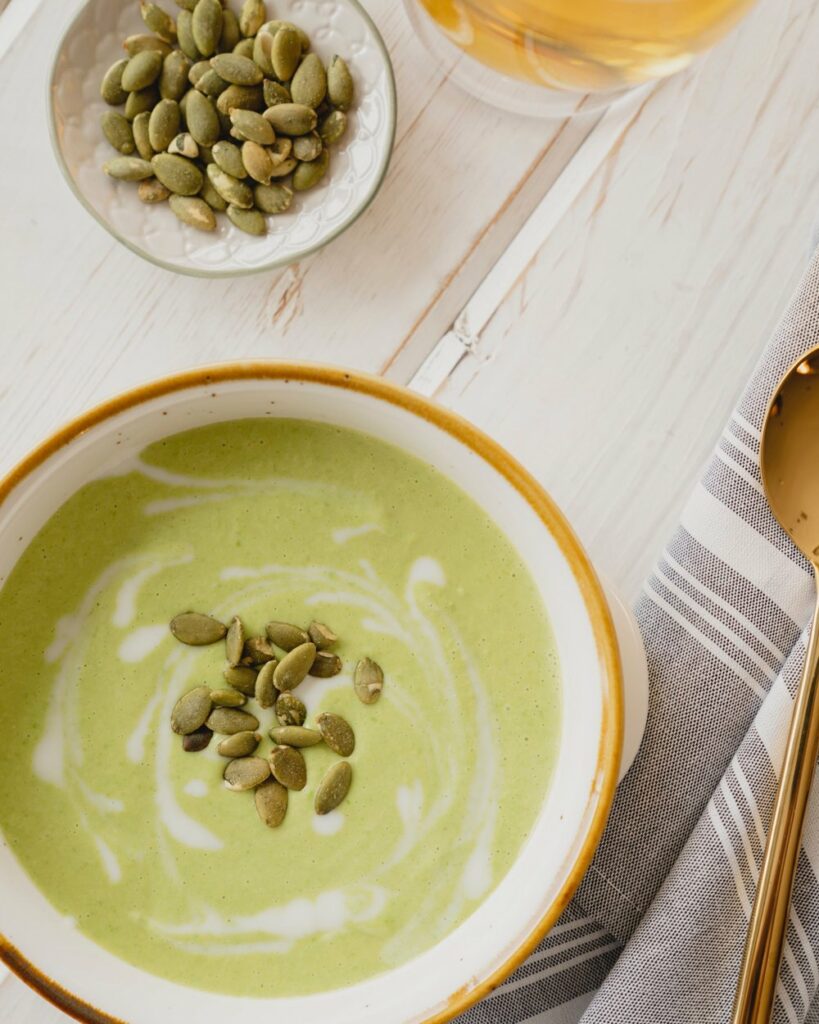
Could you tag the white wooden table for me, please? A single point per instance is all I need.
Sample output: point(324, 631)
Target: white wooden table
point(593, 293)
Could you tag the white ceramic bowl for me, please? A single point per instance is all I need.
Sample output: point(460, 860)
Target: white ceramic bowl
point(93, 41)
point(73, 972)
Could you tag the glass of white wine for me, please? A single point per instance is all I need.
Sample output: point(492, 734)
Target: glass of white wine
point(553, 58)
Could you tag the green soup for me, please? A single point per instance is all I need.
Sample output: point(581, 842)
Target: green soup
point(138, 842)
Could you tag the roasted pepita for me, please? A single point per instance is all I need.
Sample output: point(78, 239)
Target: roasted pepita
point(290, 710)
point(337, 733)
point(231, 720)
point(334, 787)
point(284, 635)
point(195, 628)
point(288, 767)
point(240, 744)
point(271, 802)
point(295, 736)
point(368, 681)
point(294, 666)
point(246, 773)
point(191, 711)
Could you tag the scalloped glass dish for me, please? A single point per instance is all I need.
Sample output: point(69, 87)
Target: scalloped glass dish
point(93, 41)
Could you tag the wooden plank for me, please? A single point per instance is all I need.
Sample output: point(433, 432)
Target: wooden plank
point(618, 353)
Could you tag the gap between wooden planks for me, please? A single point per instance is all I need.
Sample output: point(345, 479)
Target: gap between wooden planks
point(462, 337)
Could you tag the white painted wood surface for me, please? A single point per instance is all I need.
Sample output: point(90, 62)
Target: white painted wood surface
point(606, 347)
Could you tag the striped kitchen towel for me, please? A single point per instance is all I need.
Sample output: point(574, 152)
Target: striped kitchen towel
point(656, 930)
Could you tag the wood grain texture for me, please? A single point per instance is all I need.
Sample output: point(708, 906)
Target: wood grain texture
point(620, 351)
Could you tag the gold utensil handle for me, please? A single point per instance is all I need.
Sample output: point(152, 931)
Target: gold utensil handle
point(769, 921)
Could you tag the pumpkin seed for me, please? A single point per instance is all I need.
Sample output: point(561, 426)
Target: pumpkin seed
point(211, 84)
point(227, 698)
point(291, 118)
point(141, 71)
point(136, 44)
point(158, 21)
point(128, 168)
point(231, 720)
point(231, 33)
point(325, 664)
point(257, 651)
point(256, 159)
point(183, 106)
point(193, 628)
point(308, 175)
point(228, 157)
point(152, 191)
point(290, 710)
point(294, 666)
point(271, 802)
point(111, 88)
point(252, 222)
point(288, 767)
point(191, 711)
point(197, 71)
point(235, 640)
point(240, 97)
point(206, 25)
point(246, 773)
point(240, 678)
point(163, 125)
point(244, 48)
point(285, 52)
point(229, 188)
point(284, 168)
point(272, 198)
point(307, 147)
point(251, 17)
point(309, 84)
point(260, 53)
point(340, 88)
point(274, 92)
point(321, 635)
point(118, 131)
point(173, 79)
point(272, 27)
point(368, 681)
point(285, 636)
point(237, 70)
point(240, 744)
point(216, 202)
point(334, 787)
point(193, 211)
point(185, 179)
point(141, 139)
point(337, 733)
point(280, 150)
point(295, 736)
point(184, 144)
point(142, 101)
point(251, 127)
point(184, 31)
point(197, 740)
point(201, 118)
point(333, 127)
point(266, 691)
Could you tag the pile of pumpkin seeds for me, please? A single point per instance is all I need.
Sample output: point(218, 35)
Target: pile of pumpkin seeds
point(223, 113)
point(255, 670)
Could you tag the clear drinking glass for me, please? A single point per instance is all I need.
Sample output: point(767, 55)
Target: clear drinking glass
point(555, 57)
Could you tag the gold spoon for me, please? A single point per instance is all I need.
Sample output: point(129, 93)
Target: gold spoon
point(790, 476)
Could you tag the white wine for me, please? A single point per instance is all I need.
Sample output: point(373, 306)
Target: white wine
point(585, 45)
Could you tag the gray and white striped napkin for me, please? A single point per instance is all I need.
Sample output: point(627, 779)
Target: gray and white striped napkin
point(656, 930)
